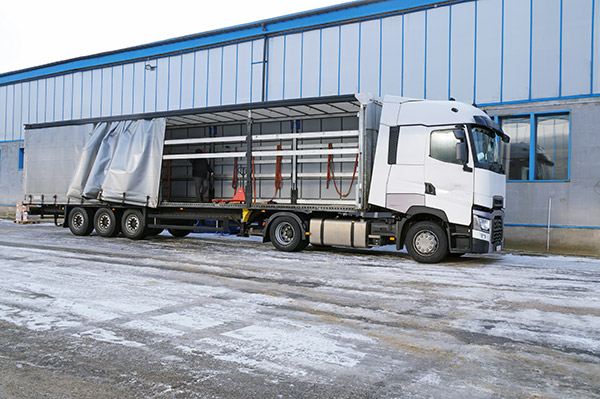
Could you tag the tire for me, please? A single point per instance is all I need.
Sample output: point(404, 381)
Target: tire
point(179, 233)
point(80, 221)
point(107, 223)
point(154, 231)
point(133, 224)
point(286, 235)
point(426, 242)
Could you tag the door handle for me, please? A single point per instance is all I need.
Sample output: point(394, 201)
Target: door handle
point(429, 189)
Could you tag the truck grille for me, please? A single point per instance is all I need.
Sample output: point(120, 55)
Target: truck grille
point(497, 230)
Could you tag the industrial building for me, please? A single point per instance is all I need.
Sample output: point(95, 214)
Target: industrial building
point(532, 64)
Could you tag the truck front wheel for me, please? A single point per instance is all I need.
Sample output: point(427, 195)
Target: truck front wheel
point(286, 234)
point(133, 224)
point(80, 222)
point(426, 242)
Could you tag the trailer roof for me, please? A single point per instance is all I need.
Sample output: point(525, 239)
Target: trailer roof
point(315, 107)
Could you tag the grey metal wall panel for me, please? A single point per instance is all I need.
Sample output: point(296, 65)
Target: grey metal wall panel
point(229, 74)
point(86, 95)
point(370, 53)
point(127, 86)
point(49, 99)
point(174, 85)
point(391, 49)
point(96, 93)
point(414, 55)
point(293, 66)
point(32, 111)
point(200, 78)
point(275, 68)
point(106, 92)
point(58, 98)
point(3, 105)
point(462, 52)
point(489, 51)
point(116, 90)
point(9, 112)
point(139, 87)
point(349, 59)
point(25, 102)
point(438, 53)
point(330, 53)
point(545, 51)
point(257, 70)
point(41, 101)
point(187, 81)
point(596, 69)
point(577, 45)
point(215, 62)
point(17, 115)
point(311, 60)
point(244, 74)
point(162, 83)
point(516, 50)
point(68, 97)
point(150, 79)
point(77, 91)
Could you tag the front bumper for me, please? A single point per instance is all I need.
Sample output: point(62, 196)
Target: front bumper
point(493, 240)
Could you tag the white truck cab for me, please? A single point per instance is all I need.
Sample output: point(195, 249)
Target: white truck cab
point(438, 162)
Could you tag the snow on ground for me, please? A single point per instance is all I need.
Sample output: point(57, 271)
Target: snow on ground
point(366, 321)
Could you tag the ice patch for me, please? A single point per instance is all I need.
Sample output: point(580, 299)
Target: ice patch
point(102, 335)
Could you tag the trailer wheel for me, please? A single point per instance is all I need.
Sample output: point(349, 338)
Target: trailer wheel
point(133, 224)
point(426, 242)
point(179, 233)
point(106, 223)
point(286, 235)
point(80, 222)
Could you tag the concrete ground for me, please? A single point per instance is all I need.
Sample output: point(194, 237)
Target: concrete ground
point(222, 317)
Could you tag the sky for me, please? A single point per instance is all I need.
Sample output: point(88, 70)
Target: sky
point(37, 32)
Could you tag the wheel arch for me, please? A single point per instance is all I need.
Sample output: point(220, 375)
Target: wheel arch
point(417, 214)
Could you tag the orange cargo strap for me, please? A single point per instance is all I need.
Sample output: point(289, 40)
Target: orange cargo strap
point(331, 174)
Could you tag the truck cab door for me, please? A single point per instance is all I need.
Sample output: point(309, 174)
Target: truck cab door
point(449, 176)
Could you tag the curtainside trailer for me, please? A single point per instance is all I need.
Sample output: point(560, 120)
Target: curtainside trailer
point(353, 171)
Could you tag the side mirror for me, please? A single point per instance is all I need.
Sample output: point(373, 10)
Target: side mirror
point(461, 153)
point(459, 133)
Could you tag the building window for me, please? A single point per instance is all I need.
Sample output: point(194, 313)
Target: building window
point(539, 147)
point(21, 157)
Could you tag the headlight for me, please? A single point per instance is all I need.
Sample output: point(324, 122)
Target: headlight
point(481, 224)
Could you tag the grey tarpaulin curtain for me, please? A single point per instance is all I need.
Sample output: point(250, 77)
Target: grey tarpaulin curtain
point(121, 162)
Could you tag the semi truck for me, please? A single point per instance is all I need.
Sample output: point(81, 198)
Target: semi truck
point(352, 171)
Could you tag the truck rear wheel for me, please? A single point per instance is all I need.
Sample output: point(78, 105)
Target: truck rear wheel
point(133, 224)
point(106, 223)
point(80, 221)
point(426, 242)
point(286, 235)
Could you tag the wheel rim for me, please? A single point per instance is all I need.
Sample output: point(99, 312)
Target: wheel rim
point(132, 224)
point(104, 222)
point(284, 233)
point(426, 243)
point(77, 220)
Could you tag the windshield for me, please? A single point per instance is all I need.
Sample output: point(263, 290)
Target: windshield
point(486, 149)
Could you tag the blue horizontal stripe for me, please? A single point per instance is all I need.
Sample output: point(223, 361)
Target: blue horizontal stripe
point(552, 226)
point(9, 205)
point(321, 16)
